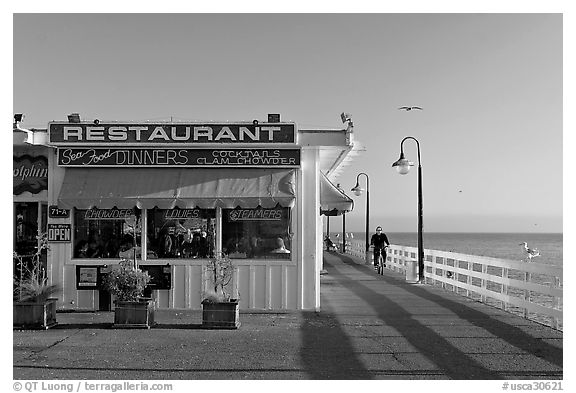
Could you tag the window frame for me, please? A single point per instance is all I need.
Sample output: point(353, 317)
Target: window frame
point(219, 214)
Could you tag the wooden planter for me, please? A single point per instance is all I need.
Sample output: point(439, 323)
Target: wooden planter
point(134, 315)
point(28, 315)
point(220, 315)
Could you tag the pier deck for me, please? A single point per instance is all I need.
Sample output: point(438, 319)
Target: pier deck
point(370, 327)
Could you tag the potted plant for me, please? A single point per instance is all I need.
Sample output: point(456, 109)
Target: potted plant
point(219, 309)
point(127, 283)
point(33, 303)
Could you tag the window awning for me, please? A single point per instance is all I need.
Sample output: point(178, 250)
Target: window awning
point(333, 202)
point(169, 188)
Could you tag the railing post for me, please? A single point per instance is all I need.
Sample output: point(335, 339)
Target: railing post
point(484, 282)
point(557, 303)
point(504, 288)
point(468, 277)
point(455, 276)
point(527, 278)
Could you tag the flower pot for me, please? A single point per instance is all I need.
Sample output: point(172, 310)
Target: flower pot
point(30, 315)
point(220, 315)
point(134, 314)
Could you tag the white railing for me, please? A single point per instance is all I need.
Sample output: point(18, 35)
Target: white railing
point(529, 289)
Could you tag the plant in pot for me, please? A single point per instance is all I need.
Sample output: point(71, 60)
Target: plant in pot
point(127, 283)
point(219, 309)
point(33, 303)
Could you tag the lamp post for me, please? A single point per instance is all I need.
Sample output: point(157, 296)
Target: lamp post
point(403, 167)
point(325, 241)
point(358, 191)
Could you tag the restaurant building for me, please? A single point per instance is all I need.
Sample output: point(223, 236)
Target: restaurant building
point(175, 194)
point(30, 194)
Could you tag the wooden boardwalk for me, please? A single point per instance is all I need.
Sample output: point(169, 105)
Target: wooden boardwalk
point(419, 331)
point(370, 326)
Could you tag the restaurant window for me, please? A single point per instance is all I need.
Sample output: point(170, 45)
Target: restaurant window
point(26, 232)
point(107, 233)
point(181, 233)
point(256, 233)
point(26, 227)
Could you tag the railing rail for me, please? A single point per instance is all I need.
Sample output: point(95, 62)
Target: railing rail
point(532, 290)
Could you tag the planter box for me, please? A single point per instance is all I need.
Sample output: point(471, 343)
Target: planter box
point(134, 315)
point(27, 315)
point(220, 315)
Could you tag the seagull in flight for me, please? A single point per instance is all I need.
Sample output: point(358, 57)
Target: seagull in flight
point(409, 108)
point(530, 252)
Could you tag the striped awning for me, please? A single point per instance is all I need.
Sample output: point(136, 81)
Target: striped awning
point(333, 202)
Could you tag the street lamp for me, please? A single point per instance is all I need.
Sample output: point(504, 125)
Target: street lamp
point(403, 167)
point(357, 190)
point(343, 225)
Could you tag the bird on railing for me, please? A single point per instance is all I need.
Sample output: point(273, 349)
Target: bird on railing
point(530, 252)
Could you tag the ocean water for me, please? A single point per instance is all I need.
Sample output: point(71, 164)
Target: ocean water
point(496, 245)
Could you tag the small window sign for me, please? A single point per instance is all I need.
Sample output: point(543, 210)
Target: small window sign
point(90, 277)
point(59, 233)
point(55, 212)
point(161, 276)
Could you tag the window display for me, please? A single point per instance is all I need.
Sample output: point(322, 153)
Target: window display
point(256, 233)
point(181, 233)
point(106, 233)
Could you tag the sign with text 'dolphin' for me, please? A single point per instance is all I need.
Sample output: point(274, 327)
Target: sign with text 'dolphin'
point(83, 134)
point(177, 157)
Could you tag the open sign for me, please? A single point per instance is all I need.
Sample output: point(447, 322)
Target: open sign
point(59, 232)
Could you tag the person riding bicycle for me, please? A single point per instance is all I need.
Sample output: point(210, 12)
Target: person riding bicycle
point(380, 241)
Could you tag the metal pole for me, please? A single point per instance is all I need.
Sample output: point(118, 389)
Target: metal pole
point(420, 225)
point(358, 190)
point(327, 233)
point(367, 250)
point(343, 233)
point(421, 278)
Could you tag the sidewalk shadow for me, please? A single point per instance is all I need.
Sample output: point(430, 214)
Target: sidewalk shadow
point(178, 326)
point(110, 325)
point(455, 363)
point(326, 350)
point(86, 325)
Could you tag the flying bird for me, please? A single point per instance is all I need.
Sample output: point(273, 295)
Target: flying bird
point(530, 252)
point(409, 108)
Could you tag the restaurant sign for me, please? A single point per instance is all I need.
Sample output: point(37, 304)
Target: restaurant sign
point(109, 214)
point(259, 214)
point(30, 174)
point(177, 157)
point(66, 134)
point(187, 214)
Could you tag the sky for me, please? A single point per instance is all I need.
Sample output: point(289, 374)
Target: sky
point(490, 85)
